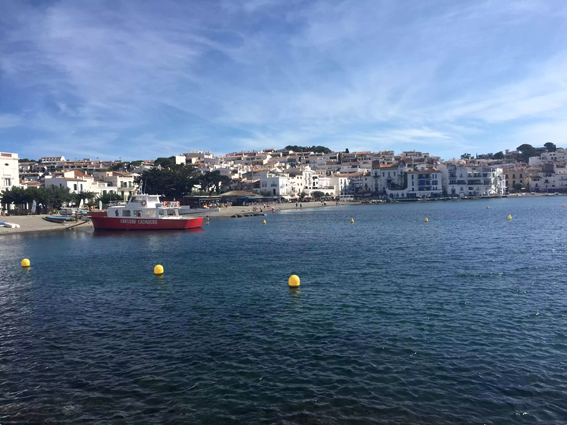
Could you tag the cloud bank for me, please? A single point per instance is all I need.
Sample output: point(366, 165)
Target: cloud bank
point(140, 79)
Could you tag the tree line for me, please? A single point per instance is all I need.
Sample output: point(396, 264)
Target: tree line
point(176, 181)
point(52, 197)
point(316, 149)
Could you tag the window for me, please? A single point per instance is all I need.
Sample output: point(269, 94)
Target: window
point(75, 186)
point(150, 213)
point(137, 213)
point(7, 181)
point(125, 213)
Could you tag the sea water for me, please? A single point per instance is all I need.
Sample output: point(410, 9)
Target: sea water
point(462, 319)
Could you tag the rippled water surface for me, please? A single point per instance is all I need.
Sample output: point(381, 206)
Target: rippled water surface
point(458, 320)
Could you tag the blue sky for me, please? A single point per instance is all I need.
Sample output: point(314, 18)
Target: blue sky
point(139, 79)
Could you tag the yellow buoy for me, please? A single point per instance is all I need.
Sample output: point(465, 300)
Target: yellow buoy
point(25, 262)
point(207, 223)
point(264, 221)
point(510, 217)
point(563, 205)
point(352, 220)
point(158, 269)
point(293, 281)
point(487, 207)
point(426, 219)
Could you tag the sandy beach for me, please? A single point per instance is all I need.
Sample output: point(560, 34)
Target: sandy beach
point(230, 211)
point(34, 223)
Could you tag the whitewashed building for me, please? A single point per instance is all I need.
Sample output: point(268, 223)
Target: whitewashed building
point(9, 171)
point(461, 180)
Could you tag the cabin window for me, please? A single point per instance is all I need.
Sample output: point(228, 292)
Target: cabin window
point(137, 213)
point(161, 212)
point(125, 213)
point(116, 213)
point(150, 213)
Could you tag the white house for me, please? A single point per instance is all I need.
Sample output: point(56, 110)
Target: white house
point(9, 170)
point(116, 181)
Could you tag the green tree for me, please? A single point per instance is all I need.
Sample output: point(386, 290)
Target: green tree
point(318, 194)
point(518, 186)
point(85, 196)
point(52, 197)
point(136, 163)
point(347, 151)
point(316, 149)
point(466, 156)
point(117, 167)
point(526, 151)
point(550, 147)
point(107, 198)
point(174, 182)
point(165, 162)
point(499, 155)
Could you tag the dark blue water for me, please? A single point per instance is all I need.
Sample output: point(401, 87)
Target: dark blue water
point(459, 320)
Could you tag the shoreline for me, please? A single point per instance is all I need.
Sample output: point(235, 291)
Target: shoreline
point(35, 223)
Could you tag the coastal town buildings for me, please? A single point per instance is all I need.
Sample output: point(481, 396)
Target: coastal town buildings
point(290, 175)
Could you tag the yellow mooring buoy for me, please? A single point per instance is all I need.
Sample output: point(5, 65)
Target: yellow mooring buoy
point(25, 262)
point(207, 223)
point(426, 219)
point(293, 281)
point(487, 207)
point(510, 217)
point(264, 221)
point(563, 205)
point(352, 220)
point(158, 269)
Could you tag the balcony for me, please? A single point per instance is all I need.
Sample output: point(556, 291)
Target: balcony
point(453, 175)
point(471, 182)
point(487, 183)
point(463, 182)
point(452, 181)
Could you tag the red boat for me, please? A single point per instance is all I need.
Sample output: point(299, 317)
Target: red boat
point(144, 212)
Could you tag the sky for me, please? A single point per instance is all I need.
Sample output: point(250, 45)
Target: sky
point(139, 79)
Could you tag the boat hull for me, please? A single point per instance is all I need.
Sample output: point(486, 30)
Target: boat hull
point(117, 223)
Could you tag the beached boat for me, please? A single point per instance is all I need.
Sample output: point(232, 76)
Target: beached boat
point(144, 212)
point(58, 219)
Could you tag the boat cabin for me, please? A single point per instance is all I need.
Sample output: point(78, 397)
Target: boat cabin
point(145, 206)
